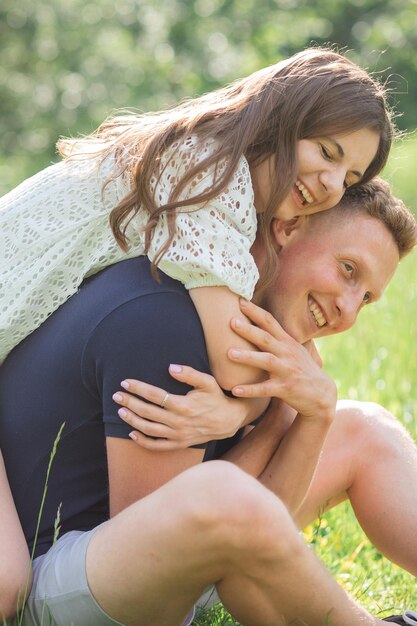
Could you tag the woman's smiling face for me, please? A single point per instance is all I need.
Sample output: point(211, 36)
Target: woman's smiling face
point(327, 165)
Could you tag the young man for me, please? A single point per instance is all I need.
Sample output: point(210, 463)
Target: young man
point(207, 524)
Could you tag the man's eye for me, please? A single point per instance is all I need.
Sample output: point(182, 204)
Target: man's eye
point(367, 297)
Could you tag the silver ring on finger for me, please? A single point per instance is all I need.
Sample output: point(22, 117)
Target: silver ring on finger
point(164, 401)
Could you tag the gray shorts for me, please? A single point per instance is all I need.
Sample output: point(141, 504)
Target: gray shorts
point(60, 595)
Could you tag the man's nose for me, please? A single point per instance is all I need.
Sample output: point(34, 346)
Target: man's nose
point(348, 306)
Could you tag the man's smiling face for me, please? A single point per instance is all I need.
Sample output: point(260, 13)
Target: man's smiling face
point(329, 267)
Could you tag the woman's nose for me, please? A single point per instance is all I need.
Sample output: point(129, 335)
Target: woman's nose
point(333, 181)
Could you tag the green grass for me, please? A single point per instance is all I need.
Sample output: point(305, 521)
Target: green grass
point(20, 612)
point(374, 361)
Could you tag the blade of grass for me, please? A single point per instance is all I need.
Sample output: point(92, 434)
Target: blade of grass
point(45, 489)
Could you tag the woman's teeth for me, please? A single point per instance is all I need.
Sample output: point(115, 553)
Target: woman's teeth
point(316, 312)
point(304, 192)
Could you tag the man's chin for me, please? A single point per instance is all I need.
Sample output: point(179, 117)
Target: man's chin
point(287, 323)
point(297, 334)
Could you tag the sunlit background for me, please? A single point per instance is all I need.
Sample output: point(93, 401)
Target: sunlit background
point(67, 64)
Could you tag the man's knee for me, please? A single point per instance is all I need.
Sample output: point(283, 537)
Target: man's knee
point(239, 514)
point(371, 426)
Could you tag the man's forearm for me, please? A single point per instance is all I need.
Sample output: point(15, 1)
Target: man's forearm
point(254, 407)
point(282, 452)
point(291, 469)
point(256, 450)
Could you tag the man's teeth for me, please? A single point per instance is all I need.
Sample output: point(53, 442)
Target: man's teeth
point(317, 314)
point(305, 193)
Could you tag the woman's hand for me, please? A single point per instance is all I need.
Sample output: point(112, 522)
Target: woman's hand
point(295, 373)
point(203, 414)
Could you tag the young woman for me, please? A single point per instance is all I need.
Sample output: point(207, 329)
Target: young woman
point(189, 187)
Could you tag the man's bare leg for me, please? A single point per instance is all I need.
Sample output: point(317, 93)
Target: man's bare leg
point(369, 458)
point(213, 524)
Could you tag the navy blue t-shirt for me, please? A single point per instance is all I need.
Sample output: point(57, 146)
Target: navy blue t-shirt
point(121, 324)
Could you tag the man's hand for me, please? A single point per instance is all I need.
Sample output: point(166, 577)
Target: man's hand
point(295, 373)
point(311, 347)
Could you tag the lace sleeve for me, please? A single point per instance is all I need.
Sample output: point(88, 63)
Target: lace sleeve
point(55, 232)
point(212, 242)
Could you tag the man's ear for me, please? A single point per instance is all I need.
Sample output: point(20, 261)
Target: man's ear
point(283, 230)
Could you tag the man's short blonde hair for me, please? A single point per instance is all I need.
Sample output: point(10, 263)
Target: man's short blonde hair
point(376, 200)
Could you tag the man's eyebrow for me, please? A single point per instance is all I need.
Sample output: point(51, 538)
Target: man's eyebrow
point(341, 153)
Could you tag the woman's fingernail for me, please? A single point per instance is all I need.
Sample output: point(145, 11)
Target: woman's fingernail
point(133, 436)
point(122, 412)
point(237, 391)
point(124, 384)
point(117, 397)
point(235, 353)
point(243, 302)
point(175, 368)
point(237, 323)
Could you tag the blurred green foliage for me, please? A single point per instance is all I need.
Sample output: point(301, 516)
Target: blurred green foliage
point(400, 170)
point(67, 64)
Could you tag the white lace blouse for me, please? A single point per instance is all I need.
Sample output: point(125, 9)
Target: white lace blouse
point(55, 232)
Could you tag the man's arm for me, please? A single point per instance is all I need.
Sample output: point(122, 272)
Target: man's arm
point(135, 472)
point(283, 461)
point(140, 338)
point(282, 452)
point(297, 378)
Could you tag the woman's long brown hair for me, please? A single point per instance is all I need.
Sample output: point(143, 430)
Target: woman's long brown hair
point(314, 93)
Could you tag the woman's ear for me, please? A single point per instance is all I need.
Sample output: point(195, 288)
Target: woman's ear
point(283, 230)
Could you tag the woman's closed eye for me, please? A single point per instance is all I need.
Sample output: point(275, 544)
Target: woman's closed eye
point(351, 180)
point(326, 153)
